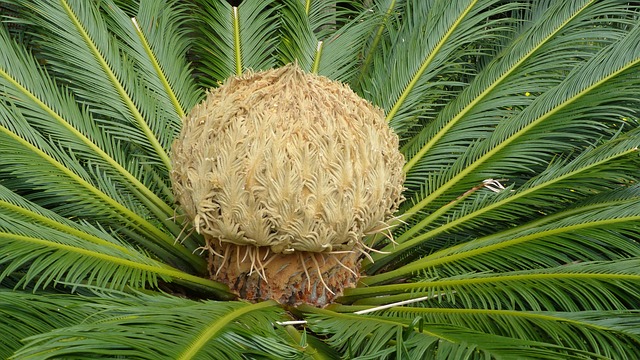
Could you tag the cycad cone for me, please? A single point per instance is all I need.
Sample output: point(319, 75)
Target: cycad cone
point(284, 173)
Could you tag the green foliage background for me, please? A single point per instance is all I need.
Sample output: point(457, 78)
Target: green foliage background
point(518, 121)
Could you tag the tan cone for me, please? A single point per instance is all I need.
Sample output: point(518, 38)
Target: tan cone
point(284, 162)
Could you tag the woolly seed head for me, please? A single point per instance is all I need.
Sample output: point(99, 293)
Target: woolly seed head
point(288, 160)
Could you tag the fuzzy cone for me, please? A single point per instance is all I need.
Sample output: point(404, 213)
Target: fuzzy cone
point(285, 161)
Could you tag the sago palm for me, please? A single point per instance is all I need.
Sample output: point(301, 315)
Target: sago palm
point(513, 126)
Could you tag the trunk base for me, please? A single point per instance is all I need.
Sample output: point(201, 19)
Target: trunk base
point(255, 274)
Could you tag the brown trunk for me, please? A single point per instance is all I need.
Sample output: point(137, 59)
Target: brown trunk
point(292, 279)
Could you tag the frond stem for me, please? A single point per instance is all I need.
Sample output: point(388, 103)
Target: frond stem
point(308, 349)
point(236, 41)
point(376, 41)
point(316, 58)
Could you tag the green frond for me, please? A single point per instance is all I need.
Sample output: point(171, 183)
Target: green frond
point(389, 337)
point(385, 10)
point(54, 112)
point(589, 332)
point(599, 169)
point(556, 42)
point(568, 117)
point(324, 37)
point(48, 248)
point(165, 41)
point(47, 255)
point(234, 39)
point(24, 314)
point(152, 327)
point(592, 235)
point(425, 70)
point(13, 206)
point(605, 285)
point(70, 33)
point(62, 176)
point(313, 347)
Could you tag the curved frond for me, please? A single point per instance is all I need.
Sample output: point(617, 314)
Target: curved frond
point(568, 117)
point(592, 235)
point(425, 69)
point(70, 33)
point(581, 286)
point(324, 37)
point(160, 27)
point(54, 172)
point(152, 327)
point(54, 112)
point(46, 248)
point(385, 10)
point(532, 63)
point(234, 39)
point(599, 169)
point(612, 334)
point(388, 337)
point(24, 314)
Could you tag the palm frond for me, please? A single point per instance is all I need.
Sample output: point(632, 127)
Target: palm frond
point(160, 25)
point(426, 70)
point(70, 33)
point(234, 39)
point(388, 337)
point(592, 235)
point(47, 248)
point(54, 172)
point(324, 37)
point(48, 255)
point(53, 111)
point(557, 42)
point(589, 332)
point(13, 206)
point(599, 169)
point(152, 327)
point(385, 10)
point(25, 315)
point(568, 117)
point(604, 285)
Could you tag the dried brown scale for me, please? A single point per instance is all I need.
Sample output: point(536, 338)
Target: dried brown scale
point(290, 278)
point(290, 162)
